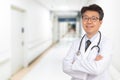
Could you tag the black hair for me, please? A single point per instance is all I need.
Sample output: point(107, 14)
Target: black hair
point(93, 7)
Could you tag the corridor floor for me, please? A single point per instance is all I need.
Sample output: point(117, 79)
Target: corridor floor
point(50, 66)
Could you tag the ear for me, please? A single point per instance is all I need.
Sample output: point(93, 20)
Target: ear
point(101, 22)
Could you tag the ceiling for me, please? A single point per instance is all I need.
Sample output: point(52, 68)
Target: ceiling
point(63, 7)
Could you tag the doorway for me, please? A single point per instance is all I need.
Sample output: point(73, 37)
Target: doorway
point(17, 27)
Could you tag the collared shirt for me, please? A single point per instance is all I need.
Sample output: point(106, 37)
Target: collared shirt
point(93, 38)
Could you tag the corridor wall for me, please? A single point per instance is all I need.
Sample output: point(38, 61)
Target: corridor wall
point(38, 29)
point(5, 49)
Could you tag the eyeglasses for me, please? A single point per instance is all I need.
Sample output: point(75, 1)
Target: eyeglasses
point(93, 19)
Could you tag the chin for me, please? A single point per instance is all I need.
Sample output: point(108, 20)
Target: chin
point(89, 32)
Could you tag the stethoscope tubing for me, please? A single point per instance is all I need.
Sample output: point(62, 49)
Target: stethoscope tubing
point(94, 45)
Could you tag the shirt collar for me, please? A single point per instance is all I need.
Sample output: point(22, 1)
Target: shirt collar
point(91, 39)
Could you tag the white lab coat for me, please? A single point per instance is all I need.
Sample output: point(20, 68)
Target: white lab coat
point(84, 66)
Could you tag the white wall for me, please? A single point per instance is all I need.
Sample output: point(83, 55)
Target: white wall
point(38, 28)
point(38, 32)
point(63, 28)
point(4, 27)
point(5, 39)
point(55, 28)
point(111, 26)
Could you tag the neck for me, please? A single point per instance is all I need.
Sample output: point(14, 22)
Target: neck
point(90, 35)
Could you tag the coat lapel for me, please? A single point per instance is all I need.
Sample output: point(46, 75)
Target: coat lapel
point(82, 50)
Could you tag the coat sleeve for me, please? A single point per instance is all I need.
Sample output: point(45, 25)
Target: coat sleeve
point(67, 64)
point(95, 67)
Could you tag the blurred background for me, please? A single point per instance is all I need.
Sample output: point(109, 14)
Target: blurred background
point(35, 35)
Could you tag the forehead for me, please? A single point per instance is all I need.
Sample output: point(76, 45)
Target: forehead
point(91, 13)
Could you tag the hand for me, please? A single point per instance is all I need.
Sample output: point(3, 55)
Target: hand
point(98, 57)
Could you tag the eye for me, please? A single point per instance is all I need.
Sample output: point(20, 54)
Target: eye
point(85, 18)
point(94, 18)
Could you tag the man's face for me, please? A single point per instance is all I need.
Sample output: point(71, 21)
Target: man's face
point(91, 22)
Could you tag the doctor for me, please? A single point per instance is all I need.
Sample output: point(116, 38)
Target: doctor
point(89, 58)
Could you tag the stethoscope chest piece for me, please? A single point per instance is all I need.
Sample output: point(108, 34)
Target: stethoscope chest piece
point(78, 53)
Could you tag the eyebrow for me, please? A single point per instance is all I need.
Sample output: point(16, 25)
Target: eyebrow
point(91, 16)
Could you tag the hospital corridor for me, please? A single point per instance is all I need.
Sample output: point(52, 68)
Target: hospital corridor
point(49, 65)
point(36, 35)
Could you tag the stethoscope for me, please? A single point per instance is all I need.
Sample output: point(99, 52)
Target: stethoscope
point(97, 46)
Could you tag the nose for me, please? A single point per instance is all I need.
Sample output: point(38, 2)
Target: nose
point(89, 20)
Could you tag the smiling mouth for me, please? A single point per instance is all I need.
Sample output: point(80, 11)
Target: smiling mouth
point(89, 26)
